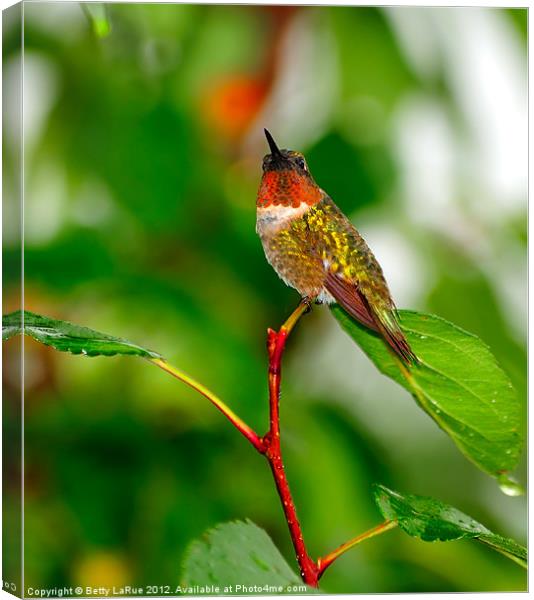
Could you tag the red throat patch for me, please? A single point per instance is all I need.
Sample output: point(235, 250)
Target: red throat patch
point(287, 188)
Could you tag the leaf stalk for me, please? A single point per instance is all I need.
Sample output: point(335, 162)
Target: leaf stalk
point(324, 562)
point(236, 421)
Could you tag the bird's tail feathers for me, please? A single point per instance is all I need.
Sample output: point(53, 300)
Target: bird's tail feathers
point(393, 335)
point(349, 296)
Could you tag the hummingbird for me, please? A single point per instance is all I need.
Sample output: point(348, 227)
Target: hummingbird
point(315, 249)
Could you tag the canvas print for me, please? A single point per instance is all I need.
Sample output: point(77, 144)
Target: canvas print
point(264, 299)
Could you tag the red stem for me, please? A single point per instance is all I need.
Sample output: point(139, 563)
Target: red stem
point(276, 343)
point(269, 446)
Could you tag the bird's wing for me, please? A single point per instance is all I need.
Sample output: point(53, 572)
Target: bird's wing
point(353, 300)
point(367, 299)
point(350, 298)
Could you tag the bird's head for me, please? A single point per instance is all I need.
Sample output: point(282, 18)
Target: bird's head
point(286, 180)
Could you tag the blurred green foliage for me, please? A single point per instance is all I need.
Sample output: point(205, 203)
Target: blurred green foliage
point(143, 152)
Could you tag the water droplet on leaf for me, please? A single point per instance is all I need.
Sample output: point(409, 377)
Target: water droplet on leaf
point(509, 486)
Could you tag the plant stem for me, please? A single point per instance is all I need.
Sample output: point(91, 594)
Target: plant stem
point(269, 446)
point(275, 344)
point(326, 561)
point(238, 423)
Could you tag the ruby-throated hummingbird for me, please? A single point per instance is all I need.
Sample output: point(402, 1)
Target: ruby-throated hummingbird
point(315, 249)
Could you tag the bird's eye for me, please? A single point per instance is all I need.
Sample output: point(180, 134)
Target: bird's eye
point(300, 162)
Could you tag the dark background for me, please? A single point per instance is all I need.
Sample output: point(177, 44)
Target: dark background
point(143, 145)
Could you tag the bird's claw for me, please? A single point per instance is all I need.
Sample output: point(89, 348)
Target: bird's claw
point(308, 302)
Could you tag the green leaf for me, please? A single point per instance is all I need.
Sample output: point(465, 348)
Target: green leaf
point(239, 554)
point(11, 325)
point(97, 14)
point(66, 337)
point(432, 521)
point(458, 383)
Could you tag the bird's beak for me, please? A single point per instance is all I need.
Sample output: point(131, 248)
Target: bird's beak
point(275, 151)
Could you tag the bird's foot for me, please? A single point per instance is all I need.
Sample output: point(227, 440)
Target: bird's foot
point(308, 301)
